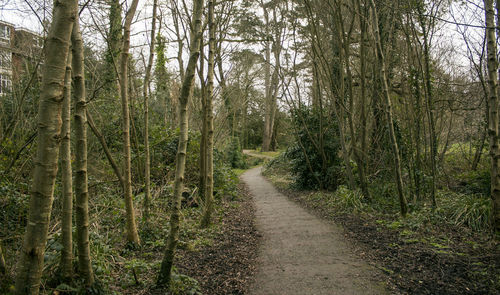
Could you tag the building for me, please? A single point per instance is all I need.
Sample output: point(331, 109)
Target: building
point(6, 30)
point(19, 48)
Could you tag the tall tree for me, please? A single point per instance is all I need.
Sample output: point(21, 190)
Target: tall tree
point(146, 93)
point(491, 45)
point(209, 180)
point(30, 265)
point(81, 178)
point(66, 264)
point(186, 91)
point(113, 39)
point(426, 25)
point(273, 30)
point(132, 235)
point(388, 110)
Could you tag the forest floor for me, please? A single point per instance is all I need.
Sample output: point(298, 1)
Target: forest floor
point(218, 260)
point(431, 259)
point(301, 254)
point(228, 265)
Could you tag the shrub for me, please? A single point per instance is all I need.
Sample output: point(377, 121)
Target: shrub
point(348, 200)
point(235, 155)
point(471, 210)
point(314, 166)
point(472, 182)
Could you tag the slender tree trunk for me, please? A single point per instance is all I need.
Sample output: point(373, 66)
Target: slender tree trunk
point(66, 264)
point(362, 105)
point(132, 235)
point(3, 266)
point(186, 91)
point(493, 110)
point(30, 265)
point(430, 113)
point(209, 185)
point(81, 178)
point(266, 138)
point(418, 144)
point(113, 52)
point(346, 60)
point(145, 87)
point(388, 108)
point(479, 149)
point(203, 140)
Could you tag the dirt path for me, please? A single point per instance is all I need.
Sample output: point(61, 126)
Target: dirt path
point(250, 153)
point(300, 254)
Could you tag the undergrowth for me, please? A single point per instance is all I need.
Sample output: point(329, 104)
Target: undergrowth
point(118, 267)
point(468, 207)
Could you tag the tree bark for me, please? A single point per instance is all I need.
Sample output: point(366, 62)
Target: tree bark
point(30, 265)
point(430, 106)
point(81, 178)
point(493, 110)
point(3, 266)
point(66, 264)
point(209, 184)
point(362, 105)
point(266, 137)
point(132, 235)
point(388, 109)
point(147, 164)
point(186, 91)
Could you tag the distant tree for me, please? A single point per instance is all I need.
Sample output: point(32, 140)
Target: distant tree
point(165, 273)
point(132, 235)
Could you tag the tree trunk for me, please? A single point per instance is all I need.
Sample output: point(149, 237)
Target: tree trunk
point(30, 265)
point(132, 235)
point(186, 91)
point(209, 184)
point(3, 266)
point(362, 105)
point(479, 150)
point(430, 110)
point(113, 50)
point(203, 139)
point(493, 110)
point(358, 153)
point(388, 109)
point(145, 87)
point(81, 178)
point(66, 264)
point(266, 137)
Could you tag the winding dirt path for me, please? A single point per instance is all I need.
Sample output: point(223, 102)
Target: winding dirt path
point(300, 253)
point(250, 153)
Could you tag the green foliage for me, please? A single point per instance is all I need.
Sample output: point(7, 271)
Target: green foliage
point(225, 180)
point(164, 144)
point(348, 200)
point(475, 181)
point(343, 200)
point(471, 210)
point(183, 285)
point(315, 166)
point(14, 206)
point(235, 155)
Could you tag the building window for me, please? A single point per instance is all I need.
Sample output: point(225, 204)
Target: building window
point(4, 34)
point(5, 59)
point(5, 84)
